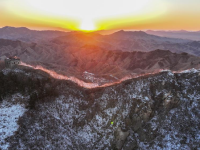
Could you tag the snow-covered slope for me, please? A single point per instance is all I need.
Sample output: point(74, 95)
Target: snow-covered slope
point(158, 111)
point(10, 111)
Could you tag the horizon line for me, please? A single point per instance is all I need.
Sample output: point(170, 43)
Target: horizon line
point(67, 30)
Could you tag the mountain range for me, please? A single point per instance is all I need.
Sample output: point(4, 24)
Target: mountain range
point(128, 90)
point(120, 40)
point(27, 35)
point(192, 35)
point(93, 57)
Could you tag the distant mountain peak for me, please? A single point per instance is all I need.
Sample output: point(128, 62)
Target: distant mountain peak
point(23, 28)
point(140, 32)
point(9, 27)
point(6, 27)
point(135, 33)
point(121, 31)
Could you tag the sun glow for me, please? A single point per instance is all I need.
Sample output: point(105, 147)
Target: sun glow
point(87, 25)
point(87, 15)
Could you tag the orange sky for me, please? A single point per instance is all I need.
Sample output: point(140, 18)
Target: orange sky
point(101, 15)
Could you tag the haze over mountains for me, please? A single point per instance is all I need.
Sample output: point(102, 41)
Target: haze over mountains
point(183, 34)
point(121, 40)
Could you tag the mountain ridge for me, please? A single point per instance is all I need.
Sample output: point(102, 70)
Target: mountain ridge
point(157, 111)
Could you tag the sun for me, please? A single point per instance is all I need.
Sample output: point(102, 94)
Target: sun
point(87, 25)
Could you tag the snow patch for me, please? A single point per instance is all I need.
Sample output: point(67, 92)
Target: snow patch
point(9, 116)
point(190, 71)
point(6, 71)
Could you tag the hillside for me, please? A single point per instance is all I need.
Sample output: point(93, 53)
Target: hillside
point(158, 111)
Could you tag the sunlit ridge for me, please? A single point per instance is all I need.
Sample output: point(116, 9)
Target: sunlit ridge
point(95, 85)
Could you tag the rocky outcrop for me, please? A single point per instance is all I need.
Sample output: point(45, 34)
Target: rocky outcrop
point(120, 137)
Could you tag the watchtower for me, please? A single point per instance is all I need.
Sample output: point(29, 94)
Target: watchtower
point(12, 61)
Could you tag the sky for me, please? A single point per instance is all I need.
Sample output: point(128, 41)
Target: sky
point(101, 14)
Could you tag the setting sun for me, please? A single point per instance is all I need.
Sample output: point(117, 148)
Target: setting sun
point(87, 25)
point(90, 15)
